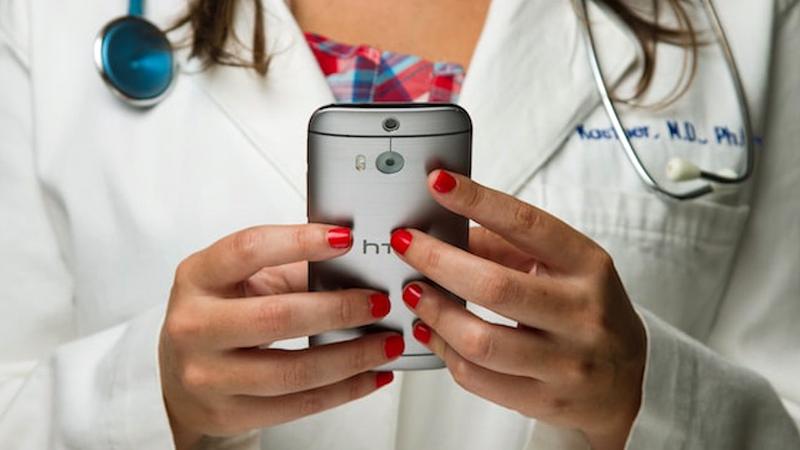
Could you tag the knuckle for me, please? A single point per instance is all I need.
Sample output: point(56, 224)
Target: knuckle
point(196, 378)
point(554, 405)
point(358, 358)
point(497, 287)
point(432, 313)
point(296, 374)
point(603, 262)
point(526, 217)
point(356, 389)
point(433, 259)
point(596, 322)
point(275, 318)
point(462, 373)
point(478, 344)
point(311, 403)
point(245, 244)
point(182, 273)
point(345, 310)
point(473, 198)
point(181, 328)
point(581, 370)
point(301, 239)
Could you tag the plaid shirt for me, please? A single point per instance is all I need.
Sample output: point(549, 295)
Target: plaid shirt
point(361, 74)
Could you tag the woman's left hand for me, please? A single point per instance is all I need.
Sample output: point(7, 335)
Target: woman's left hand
point(576, 357)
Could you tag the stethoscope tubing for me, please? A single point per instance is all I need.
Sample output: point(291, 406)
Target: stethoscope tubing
point(136, 7)
point(630, 151)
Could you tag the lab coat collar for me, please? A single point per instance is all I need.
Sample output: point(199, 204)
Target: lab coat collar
point(272, 111)
point(525, 98)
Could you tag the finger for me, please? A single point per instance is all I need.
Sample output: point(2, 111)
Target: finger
point(531, 229)
point(540, 302)
point(235, 258)
point(255, 412)
point(278, 372)
point(496, 347)
point(514, 392)
point(489, 245)
point(254, 321)
point(283, 279)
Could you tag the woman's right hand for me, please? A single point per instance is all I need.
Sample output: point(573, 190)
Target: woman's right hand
point(245, 291)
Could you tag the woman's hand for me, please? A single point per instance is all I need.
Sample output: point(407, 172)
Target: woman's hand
point(247, 290)
point(577, 355)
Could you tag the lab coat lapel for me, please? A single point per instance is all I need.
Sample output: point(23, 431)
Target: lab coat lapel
point(272, 111)
point(525, 96)
point(529, 84)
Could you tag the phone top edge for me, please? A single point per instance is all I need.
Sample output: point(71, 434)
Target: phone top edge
point(371, 120)
point(392, 136)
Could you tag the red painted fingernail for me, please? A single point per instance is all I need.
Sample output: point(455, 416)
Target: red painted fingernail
point(339, 237)
point(383, 378)
point(379, 305)
point(422, 332)
point(444, 182)
point(394, 346)
point(401, 240)
point(411, 295)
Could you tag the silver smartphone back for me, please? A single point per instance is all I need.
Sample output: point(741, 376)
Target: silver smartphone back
point(367, 169)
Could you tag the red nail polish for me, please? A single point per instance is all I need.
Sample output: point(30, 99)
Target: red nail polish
point(401, 240)
point(422, 332)
point(394, 346)
point(379, 305)
point(444, 182)
point(383, 378)
point(411, 295)
point(339, 237)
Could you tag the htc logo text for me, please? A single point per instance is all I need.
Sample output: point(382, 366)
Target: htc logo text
point(375, 248)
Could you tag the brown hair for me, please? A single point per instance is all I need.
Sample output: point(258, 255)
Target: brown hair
point(212, 29)
point(650, 33)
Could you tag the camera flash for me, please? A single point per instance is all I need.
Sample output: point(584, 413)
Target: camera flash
point(361, 163)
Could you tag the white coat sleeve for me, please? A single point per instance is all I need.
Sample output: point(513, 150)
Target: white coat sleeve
point(742, 390)
point(58, 391)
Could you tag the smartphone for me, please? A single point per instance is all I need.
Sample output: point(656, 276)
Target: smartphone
point(367, 170)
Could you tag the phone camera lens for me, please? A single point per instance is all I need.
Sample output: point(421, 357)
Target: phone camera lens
point(391, 124)
point(390, 162)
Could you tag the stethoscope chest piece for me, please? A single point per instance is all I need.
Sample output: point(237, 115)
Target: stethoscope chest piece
point(135, 59)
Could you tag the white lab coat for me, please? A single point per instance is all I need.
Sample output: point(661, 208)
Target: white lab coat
point(99, 202)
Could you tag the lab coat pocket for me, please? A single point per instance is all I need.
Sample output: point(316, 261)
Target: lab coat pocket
point(674, 258)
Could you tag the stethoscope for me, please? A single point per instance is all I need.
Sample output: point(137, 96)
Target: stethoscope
point(136, 61)
point(677, 169)
point(135, 58)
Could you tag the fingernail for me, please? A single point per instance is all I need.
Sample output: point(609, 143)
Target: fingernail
point(401, 240)
point(339, 237)
point(383, 378)
point(394, 346)
point(422, 332)
point(379, 305)
point(444, 182)
point(411, 295)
